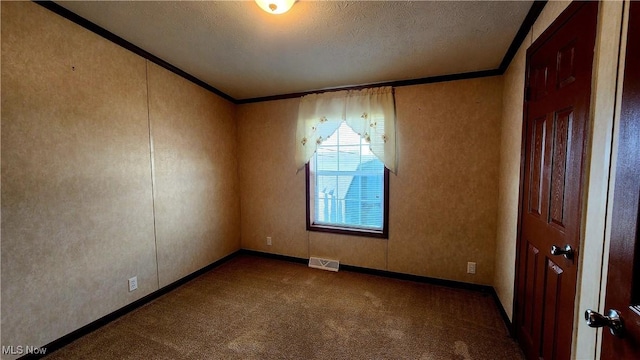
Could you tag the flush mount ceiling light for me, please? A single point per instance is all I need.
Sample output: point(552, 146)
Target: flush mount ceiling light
point(275, 6)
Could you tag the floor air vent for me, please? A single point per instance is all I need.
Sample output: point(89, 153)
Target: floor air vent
point(324, 264)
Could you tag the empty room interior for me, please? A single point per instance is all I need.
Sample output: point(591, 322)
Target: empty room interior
point(177, 178)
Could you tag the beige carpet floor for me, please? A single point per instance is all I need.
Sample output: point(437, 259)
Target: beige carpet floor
point(257, 308)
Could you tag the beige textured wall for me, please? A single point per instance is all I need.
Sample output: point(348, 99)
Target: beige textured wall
point(77, 216)
point(510, 149)
point(196, 175)
point(443, 202)
point(272, 196)
point(443, 205)
point(77, 197)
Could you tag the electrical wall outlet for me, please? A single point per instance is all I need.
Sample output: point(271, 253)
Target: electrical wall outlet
point(269, 240)
point(471, 267)
point(133, 283)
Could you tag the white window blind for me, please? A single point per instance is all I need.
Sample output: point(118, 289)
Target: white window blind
point(348, 182)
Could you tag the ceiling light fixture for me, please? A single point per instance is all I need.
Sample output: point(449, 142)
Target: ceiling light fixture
point(275, 6)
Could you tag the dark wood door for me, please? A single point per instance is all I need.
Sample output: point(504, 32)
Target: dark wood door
point(623, 294)
point(556, 113)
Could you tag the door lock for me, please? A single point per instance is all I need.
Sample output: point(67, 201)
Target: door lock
point(566, 251)
point(612, 320)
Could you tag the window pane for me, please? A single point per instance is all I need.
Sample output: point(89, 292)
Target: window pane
point(327, 159)
point(349, 183)
point(349, 158)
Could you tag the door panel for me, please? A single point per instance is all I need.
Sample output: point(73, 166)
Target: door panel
point(552, 305)
point(566, 70)
point(529, 314)
point(561, 150)
point(559, 68)
point(537, 154)
point(623, 282)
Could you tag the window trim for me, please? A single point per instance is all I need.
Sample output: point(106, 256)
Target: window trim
point(380, 234)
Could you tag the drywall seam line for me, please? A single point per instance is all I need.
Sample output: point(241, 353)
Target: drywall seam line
point(153, 171)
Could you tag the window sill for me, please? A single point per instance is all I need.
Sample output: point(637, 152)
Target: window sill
point(380, 234)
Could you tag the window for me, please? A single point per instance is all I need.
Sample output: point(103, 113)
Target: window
point(347, 187)
point(346, 141)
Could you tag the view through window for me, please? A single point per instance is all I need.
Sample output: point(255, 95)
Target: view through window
point(347, 184)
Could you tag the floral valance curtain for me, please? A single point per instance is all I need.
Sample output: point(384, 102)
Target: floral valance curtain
point(370, 113)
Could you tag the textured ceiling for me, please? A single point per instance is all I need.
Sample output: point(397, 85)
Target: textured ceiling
point(244, 52)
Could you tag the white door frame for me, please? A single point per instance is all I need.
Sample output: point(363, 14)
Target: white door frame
point(605, 114)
